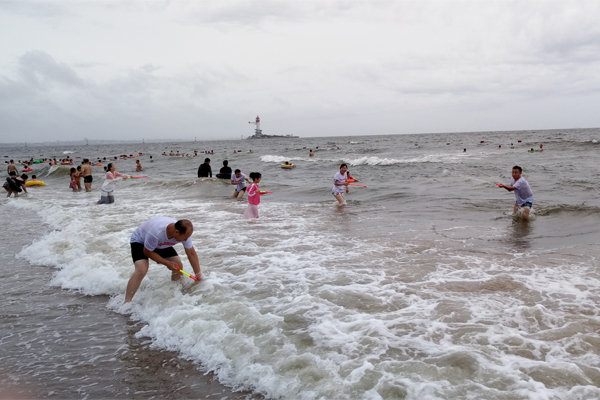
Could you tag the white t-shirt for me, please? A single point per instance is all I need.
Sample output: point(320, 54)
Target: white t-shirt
point(241, 179)
point(339, 178)
point(523, 194)
point(153, 234)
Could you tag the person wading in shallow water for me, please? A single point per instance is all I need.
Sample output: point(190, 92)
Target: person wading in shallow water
point(523, 192)
point(86, 173)
point(154, 240)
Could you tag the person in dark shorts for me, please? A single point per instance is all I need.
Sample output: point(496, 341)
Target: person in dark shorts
point(86, 173)
point(154, 240)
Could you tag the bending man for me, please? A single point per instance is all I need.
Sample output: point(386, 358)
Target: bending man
point(154, 239)
point(523, 192)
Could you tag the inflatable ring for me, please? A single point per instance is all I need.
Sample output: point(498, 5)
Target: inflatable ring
point(98, 164)
point(34, 183)
point(287, 166)
point(28, 170)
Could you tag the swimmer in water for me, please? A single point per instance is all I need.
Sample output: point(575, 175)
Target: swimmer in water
point(311, 154)
point(541, 148)
point(523, 192)
point(138, 166)
point(340, 184)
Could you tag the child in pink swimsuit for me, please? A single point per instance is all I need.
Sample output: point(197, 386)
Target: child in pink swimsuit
point(253, 196)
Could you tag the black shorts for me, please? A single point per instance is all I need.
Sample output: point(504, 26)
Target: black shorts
point(137, 252)
point(241, 190)
point(88, 179)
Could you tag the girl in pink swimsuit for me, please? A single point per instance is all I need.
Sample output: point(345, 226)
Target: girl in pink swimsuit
point(253, 196)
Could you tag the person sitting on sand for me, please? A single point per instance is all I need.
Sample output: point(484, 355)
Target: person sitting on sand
point(154, 240)
point(523, 192)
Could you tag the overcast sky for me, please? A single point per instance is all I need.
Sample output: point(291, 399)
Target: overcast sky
point(180, 69)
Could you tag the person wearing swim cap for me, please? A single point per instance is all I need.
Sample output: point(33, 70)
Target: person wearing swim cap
point(154, 240)
point(523, 192)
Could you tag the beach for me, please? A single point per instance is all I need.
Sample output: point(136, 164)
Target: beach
point(422, 287)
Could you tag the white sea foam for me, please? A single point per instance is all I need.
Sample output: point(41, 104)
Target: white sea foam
point(68, 152)
point(292, 308)
point(281, 159)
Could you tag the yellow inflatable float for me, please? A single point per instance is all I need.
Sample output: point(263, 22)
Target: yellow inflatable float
point(35, 183)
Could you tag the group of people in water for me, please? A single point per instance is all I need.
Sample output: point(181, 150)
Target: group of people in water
point(155, 238)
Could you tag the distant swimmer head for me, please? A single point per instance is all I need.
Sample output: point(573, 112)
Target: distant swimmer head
point(183, 230)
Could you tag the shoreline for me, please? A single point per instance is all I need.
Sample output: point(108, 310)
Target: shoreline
point(62, 344)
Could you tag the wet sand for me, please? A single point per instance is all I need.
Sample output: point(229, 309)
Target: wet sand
point(62, 344)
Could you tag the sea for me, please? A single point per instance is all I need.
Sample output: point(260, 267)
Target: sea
point(423, 286)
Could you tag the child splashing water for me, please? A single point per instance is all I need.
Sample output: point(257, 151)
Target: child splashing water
point(253, 196)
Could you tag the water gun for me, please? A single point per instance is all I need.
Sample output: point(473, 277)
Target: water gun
point(183, 272)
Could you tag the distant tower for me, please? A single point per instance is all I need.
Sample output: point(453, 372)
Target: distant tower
point(257, 131)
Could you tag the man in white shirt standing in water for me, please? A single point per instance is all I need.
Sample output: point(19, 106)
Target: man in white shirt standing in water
point(238, 178)
point(154, 239)
point(523, 192)
point(340, 184)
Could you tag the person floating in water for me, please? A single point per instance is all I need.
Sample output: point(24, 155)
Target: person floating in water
point(311, 154)
point(154, 239)
point(541, 148)
point(340, 184)
point(523, 192)
point(138, 166)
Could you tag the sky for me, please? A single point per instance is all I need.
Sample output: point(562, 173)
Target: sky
point(132, 70)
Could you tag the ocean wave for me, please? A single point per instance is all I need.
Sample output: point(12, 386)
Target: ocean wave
point(431, 158)
point(280, 159)
point(566, 208)
point(68, 152)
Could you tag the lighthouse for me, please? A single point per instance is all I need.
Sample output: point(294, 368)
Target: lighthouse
point(257, 131)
